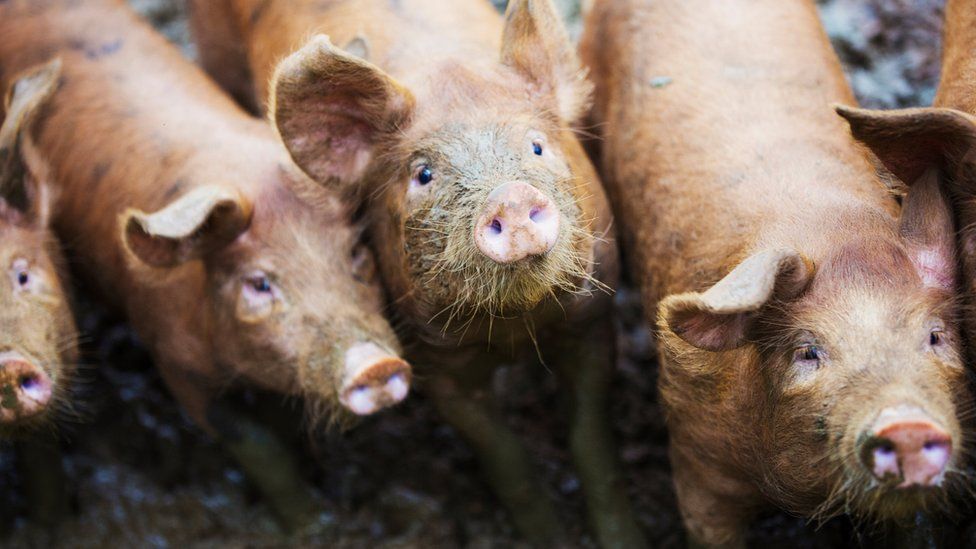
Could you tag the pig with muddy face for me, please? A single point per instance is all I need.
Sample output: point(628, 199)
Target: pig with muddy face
point(809, 356)
point(37, 332)
point(488, 221)
point(229, 261)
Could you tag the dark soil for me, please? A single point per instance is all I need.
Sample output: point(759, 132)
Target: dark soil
point(141, 475)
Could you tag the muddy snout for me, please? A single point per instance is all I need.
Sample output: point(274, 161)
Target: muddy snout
point(25, 389)
point(517, 221)
point(905, 445)
point(374, 379)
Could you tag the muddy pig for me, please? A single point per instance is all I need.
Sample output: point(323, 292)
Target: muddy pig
point(809, 356)
point(490, 226)
point(188, 215)
point(38, 340)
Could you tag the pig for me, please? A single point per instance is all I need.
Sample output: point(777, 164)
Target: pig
point(490, 227)
point(38, 343)
point(187, 215)
point(809, 354)
point(911, 143)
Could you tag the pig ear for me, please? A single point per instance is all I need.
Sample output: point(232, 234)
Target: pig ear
point(720, 318)
point(535, 43)
point(21, 173)
point(332, 108)
point(199, 222)
point(911, 141)
point(930, 150)
point(928, 229)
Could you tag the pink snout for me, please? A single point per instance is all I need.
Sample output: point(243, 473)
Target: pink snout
point(517, 221)
point(905, 444)
point(374, 379)
point(25, 390)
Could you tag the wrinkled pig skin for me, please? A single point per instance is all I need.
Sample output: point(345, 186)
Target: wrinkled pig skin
point(809, 357)
point(189, 216)
point(453, 126)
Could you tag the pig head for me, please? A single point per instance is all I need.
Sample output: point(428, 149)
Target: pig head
point(481, 198)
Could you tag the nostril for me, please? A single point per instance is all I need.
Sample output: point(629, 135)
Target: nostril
point(534, 213)
point(28, 382)
point(496, 226)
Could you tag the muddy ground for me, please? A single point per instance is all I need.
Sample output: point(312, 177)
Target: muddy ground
point(140, 475)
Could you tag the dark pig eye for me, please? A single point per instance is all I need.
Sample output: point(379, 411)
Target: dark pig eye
point(537, 148)
point(21, 275)
point(808, 353)
point(424, 175)
point(261, 284)
point(936, 337)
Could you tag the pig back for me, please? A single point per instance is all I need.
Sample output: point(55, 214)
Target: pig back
point(132, 125)
point(719, 134)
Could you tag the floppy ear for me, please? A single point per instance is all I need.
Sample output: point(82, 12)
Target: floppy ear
point(535, 44)
point(720, 318)
point(332, 108)
point(21, 183)
point(930, 150)
point(199, 222)
point(910, 141)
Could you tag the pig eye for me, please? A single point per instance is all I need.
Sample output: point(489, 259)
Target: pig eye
point(808, 353)
point(261, 284)
point(537, 147)
point(936, 338)
point(423, 175)
point(21, 275)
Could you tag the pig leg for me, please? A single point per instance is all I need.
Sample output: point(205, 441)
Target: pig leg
point(39, 459)
point(465, 406)
point(715, 509)
point(584, 361)
point(265, 460)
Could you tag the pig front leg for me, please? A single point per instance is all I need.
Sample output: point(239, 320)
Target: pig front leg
point(39, 460)
point(265, 460)
point(464, 402)
point(584, 360)
point(715, 509)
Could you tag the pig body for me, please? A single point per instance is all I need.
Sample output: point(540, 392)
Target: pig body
point(490, 226)
point(806, 334)
point(188, 215)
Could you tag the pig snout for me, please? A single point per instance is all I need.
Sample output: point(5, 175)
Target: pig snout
point(517, 221)
point(374, 379)
point(906, 444)
point(25, 390)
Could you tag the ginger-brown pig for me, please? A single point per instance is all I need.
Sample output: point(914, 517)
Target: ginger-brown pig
point(453, 126)
point(809, 354)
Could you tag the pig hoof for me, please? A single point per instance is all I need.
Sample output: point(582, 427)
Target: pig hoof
point(517, 221)
point(906, 445)
point(25, 390)
point(375, 379)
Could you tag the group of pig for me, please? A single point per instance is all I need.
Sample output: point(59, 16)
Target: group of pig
point(422, 169)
